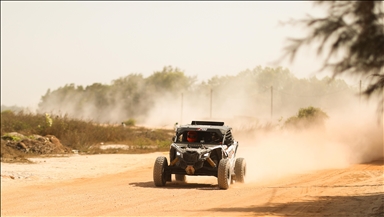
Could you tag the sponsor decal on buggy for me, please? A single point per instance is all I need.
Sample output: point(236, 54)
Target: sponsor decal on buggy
point(201, 129)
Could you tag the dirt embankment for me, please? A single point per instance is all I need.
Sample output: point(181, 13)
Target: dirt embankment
point(16, 147)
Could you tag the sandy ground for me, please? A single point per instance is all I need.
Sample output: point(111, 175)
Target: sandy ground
point(121, 185)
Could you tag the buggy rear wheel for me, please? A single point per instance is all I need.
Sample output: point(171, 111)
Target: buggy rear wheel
point(240, 170)
point(224, 174)
point(159, 177)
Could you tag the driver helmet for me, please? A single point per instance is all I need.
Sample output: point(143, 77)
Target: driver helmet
point(192, 136)
point(214, 136)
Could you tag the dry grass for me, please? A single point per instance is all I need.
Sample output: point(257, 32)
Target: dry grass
point(81, 135)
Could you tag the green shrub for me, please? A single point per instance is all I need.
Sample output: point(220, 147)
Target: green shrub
point(130, 122)
point(12, 137)
point(307, 118)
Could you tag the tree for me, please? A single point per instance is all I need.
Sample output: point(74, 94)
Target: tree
point(354, 29)
point(170, 79)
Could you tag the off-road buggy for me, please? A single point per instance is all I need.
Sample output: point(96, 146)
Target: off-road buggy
point(213, 153)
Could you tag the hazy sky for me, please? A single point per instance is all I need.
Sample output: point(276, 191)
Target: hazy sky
point(51, 44)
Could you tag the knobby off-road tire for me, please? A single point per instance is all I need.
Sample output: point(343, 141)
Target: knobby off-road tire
point(224, 174)
point(240, 170)
point(180, 178)
point(159, 177)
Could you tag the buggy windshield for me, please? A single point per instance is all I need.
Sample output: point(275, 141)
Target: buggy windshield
point(212, 136)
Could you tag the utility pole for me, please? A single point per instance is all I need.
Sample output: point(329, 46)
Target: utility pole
point(360, 93)
point(271, 102)
point(181, 111)
point(381, 121)
point(210, 110)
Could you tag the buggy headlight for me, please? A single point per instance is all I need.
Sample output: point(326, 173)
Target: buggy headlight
point(178, 154)
point(206, 154)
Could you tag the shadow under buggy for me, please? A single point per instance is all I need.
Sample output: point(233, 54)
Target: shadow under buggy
point(202, 148)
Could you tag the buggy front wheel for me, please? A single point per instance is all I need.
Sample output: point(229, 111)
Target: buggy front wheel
point(224, 174)
point(159, 177)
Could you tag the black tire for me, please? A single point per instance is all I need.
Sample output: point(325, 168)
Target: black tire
point(224, 174)
point(180, 178)
point(159, 177)
point(240, 170)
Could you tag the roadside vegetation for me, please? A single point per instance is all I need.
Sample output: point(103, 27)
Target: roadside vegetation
point(84, 136)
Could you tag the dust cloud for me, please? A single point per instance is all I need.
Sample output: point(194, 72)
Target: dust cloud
point(352, 134)
point(349, 137)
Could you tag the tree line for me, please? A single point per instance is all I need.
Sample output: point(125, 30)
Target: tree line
point(248, 93)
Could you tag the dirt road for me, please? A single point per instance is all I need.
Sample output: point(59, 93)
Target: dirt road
point(88, 186)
